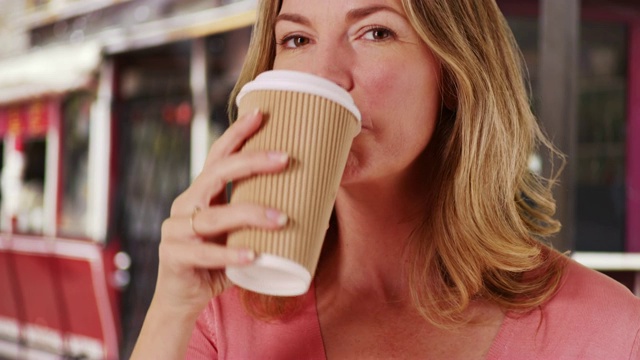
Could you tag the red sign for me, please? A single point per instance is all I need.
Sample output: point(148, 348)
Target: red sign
point(44, 323)
point(29, 119)
point(10, 314)
point(65, 302)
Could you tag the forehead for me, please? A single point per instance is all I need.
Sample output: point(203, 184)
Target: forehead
point(336, 5)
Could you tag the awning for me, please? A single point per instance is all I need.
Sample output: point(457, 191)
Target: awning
point(48, 71)
point(214, 20)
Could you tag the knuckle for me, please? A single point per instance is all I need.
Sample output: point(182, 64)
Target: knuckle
point(234, 134)
point(213, 148)
point(175, 205)
point(165, 251)
point(178, 203)
point(164, 228)
point(210, 175)
point(220, 183)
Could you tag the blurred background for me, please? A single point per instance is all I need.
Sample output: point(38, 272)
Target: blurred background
point(108, 108)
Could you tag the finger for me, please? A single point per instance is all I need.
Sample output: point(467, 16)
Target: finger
point(235, 136)
point(219, 220)
point(212, 182)
point(185, 255)
point(216, 220)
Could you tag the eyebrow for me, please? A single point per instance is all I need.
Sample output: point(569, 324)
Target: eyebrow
point(357, 14)
point(299, 19)
point(352, 15)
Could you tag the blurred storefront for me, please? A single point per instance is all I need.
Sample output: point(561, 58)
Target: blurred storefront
point(155, 126)
point(585, 81)
point(111, 114)
point(105, 121)
point(55, 299)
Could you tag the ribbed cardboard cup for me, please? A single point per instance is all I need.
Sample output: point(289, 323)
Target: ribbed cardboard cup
point(314, 121)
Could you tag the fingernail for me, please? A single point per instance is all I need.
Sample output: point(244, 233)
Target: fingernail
point(246, 256)
point(277, 217)
point(278, 156)
point(249, 116)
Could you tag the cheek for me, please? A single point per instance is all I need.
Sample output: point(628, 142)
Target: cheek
point(414, 76)
point(381, 86)
point(403, 106)
point(400, 97)
point(377, 98)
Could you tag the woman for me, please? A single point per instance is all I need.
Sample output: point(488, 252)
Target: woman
point(433, 249)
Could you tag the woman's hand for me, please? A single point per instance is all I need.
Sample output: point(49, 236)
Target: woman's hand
point(192, 250)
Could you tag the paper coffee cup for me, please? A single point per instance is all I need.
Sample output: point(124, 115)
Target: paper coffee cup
point(314, 121)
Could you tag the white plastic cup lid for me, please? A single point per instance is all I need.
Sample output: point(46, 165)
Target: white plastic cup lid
point(271, 275)
point(289, 80)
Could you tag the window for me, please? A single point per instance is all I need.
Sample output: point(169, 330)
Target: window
point(600, 160)
point(600, 182)
point(74, 155)
point(31, 207)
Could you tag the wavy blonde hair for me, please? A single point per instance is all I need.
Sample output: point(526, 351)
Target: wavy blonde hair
point(481, 234)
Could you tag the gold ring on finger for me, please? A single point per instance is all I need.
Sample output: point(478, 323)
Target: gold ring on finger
point(196, 210)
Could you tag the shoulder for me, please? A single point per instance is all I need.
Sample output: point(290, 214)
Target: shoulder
point(592, 298)
point(591, 316)
point(594, 310)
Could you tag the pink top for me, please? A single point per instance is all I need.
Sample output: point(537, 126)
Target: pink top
point(591, 317)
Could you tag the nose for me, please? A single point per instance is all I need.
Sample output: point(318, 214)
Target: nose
point(334, 63)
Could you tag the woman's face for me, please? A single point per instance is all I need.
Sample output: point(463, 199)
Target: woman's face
point(370, 49)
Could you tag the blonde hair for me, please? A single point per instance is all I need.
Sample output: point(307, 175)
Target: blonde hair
point(481, 238)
